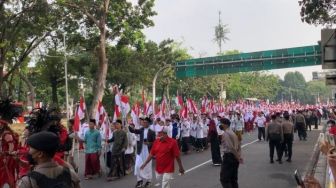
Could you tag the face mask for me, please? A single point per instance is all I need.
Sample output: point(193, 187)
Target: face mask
point(30, 159)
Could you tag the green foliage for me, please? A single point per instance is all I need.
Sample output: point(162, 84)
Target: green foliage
point(24, 25)
point(318, 11)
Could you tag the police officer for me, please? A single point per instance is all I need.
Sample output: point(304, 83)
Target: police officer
point(46, 173)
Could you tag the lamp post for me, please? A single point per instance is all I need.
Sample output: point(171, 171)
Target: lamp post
point(154, 85)
point(66, 79)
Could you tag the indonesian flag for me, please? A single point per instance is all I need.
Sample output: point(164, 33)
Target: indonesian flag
point(76, 121)
point(125, 106)
point(135, 115)
point(184, 112)
point(81, 109)
point(204, 104)
point(100, 113)
point(191, 106)
point(105, 126)
point(80, 114)
point(103, 120)
point(149, 108)
point(211, 106)
point(163, 108)
point(179, 101)
point(117, 113)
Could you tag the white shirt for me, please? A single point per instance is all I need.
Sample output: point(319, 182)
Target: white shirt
point(170, 130)
point(83, 128)
point(193, 129)
point(185, 129)
point(260, 121)
point(199, 131)
point(205, 128)
point(233, 122)
point(145, 133)
point(239, 124)
point(131, 143)
point(219, 131)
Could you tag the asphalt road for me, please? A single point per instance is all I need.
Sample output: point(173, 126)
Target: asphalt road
point(256, 171)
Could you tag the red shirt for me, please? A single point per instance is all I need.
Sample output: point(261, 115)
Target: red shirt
point(332, 130)
point(165, 153)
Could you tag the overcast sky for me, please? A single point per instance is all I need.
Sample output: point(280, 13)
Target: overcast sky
point(255, 25)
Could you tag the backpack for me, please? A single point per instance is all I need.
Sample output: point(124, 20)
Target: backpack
point(61, 181)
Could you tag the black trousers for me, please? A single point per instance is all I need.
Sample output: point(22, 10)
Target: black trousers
point(185, 144)
point(229, 171)
point(215, 150)
point(205, 143)
point(308, 124)
point(261, 132)
point(275, 145)
point(288, 143)
point(301, 130)
point(199, 143)
point(117, 168)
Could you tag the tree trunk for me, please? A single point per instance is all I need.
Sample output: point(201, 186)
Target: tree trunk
point(31, 89)
point(54, 92)
point(99, 86)
point(1, 81)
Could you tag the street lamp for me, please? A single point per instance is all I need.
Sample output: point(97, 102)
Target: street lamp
point(154, 84)
point(66, 78)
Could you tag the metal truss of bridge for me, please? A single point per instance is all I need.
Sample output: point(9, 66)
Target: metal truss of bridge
point(246, 62)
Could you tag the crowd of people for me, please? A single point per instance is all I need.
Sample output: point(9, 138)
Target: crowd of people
point(43, 157)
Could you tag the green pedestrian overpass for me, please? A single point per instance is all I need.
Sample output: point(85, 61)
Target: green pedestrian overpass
point(246, 62)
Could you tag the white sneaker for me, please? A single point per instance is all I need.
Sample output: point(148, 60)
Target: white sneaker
point(157, 184)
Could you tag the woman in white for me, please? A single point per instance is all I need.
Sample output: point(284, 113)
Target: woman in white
point(193, 129)
point(185, 134)
point(199, 136)
point(204, 124)
point(239, 126)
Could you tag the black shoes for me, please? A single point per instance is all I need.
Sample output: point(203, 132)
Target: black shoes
point(289, 160)
point(148, 184)
point(139, 184)
point(271, 161)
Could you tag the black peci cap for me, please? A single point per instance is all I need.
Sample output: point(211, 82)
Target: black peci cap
point(44, 141)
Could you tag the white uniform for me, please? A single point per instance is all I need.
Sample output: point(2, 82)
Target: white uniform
point(185, 128)
point(199, 131)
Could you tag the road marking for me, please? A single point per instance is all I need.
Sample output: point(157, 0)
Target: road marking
point(195, 167)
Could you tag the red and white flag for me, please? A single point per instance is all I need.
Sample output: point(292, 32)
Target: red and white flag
point(80, 114)
point(163, 108)
point(81, 109)
point(204, 104)
point(184, 112)
point(149, 109)
point(179, 100)
point(103, 120)
point(135, 115)
point(192, 106)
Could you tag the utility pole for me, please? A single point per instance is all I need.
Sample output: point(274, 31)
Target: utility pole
point(220, 24)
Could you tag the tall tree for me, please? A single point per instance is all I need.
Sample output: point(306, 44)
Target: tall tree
point(318, 11)
point(24, 25)
point(108, 22)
